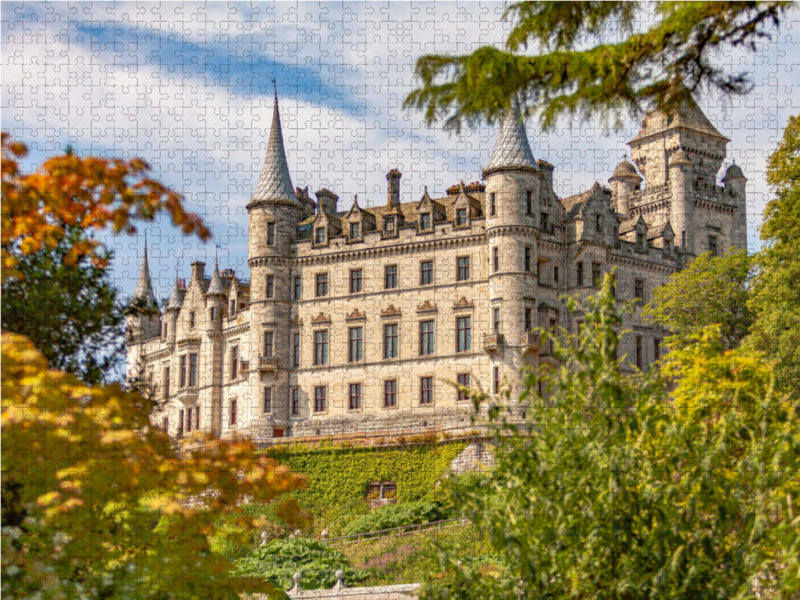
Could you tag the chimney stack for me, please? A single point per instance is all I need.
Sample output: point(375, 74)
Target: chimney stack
point(393, 196)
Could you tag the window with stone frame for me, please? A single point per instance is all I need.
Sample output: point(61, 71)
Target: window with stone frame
point(191, 320)
point(322, 285)
point(390, 277)
point(641, 242)
point(579, 274)
point(596, 278)
point(295, 401)
point(212, 314)
point(426, 390)
point(639, 352)
point(321, 347)
point(320, 398)
point(390, 393)
point(496, 320)
point(528, 319)
point(528, 203)
point(355, 231)
point(356, 344)
point(270, 234)
point(496, 380)
point(320, 235)
point(492, 204)
point(234, 371)
point(667, 247)
point(425, 221)
point(182, 371)
point(296, 349)
point(297, 288)
point(355, 396)
point(495, 259)
point(197, 416)
point(712, 245)
point(656, 349)
point(638, 289)
point(192, 370)
point(463, 334)
point(543, 224)
point(267, 399)
point(598, 223)
point(356, 279)
point(528, 254)
point(426, 338)
point(166, 383)
point(426, 272)
point(269, 346)
point(234, 412)
point(463, 268)
point(270, 286)
point(180, 422)
point(391, 346)
point(461, 217)
point(463, 381)
point(189, 415)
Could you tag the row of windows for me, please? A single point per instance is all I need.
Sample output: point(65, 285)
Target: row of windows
point(355, 395)
point(187, 420)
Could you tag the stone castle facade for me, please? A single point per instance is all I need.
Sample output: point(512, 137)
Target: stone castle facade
point(356, 320)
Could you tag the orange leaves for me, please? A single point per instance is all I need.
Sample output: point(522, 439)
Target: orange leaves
point(90, 192)
point(87, 465)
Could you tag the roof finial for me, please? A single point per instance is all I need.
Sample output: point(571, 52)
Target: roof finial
point(275, 87)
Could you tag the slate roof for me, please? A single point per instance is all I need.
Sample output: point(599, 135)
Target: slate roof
point(274, 182)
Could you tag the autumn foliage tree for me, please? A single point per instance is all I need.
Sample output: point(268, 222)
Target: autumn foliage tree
point(83, 473)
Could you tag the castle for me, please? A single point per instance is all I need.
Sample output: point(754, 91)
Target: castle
point(355, 321)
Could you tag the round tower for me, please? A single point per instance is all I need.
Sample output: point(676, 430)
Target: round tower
point(173, 309)
point(274, 217)
point(681, 208)
point(624, 183)
point(512, 219)
point(736, 182)
point(143, 318)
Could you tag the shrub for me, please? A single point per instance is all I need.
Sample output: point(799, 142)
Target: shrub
point(317, 563)
point(398, 515)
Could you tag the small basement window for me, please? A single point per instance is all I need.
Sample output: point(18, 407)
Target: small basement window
point(382, 490)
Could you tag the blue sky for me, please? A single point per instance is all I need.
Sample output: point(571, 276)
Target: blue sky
point(187, 86)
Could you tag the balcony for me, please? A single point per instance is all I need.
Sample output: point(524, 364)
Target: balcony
point(267, 363)
point(493, 341)
point(187, 394)
point(531, 342)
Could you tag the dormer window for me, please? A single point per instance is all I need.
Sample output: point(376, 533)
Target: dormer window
point(640, 242)
point(389, 226)
point(461, 217)
point(667, 247)
point(191, 320)
point(355, 231)
point(320, 235)
point(233, 306)
point(598, 223)
point(425, 221)
point(543, 222)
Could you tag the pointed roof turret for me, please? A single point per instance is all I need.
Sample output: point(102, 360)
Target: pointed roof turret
point(144, 287)
point(215, 288)
point(512, 149)
point(176, 299)
point(274, 183)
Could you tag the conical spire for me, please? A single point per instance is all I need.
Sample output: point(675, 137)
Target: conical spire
point(144, 287)
point(176, 299)
point(274, 183)
point(215, 287)
point(512, 148)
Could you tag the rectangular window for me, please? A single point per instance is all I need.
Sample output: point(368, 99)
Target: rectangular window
point(182, 371)
point(356, 344)
point(320, 235)
point(461, 216)
point(640, 242)
point(355, 396)
point(320, 398)
point(180, 423)
point(463, 334)
point(268, 400)
point(165, 328)
point(638, 289)
point(580, 274)
point(463, 381)
point(496, 380)
point(527, 259)
point(528, 319)
point(270, 286)
point(543, 225)
point(165, 424)
point(192, 370)
point(656, 349)
point(496, 320)
point(598, 223)
point(555, 274)
point(320, 347)
point(166, 382)
point(596, 275)
point(355, 231)
point(271, 234)
point(426, 390)
point(552, 333)
point(712, 245)
point(639, 351)
point(189, 414)
point(528, 203)
point(492, 205)
point(426, 338)
point(197, 417)
point(390, 393)
point(355, 281)
point(495, 259)
point(191, 320)
point(233, 412)
point(390, 346)
point(426, 272)
point(234, 363)
point(296, 349)
point(322, 285)
point(269, 346)
point(667, 247)
point(425, 221)
point(463, 268)
point(295, 401)
point(212, 314)
point(297, 292)
point(390, 277)
point(233, 306)
point(683, 238)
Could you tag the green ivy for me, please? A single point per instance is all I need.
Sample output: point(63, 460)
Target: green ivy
point(399, 515)
point(338, 475)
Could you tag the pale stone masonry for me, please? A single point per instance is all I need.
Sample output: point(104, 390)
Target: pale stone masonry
point(354, 321)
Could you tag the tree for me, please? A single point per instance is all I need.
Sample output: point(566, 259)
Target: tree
point(776, 286)
point(712, 290)
point(611, 491)
point(590, 59)
point(70, 311)
point(83, 472)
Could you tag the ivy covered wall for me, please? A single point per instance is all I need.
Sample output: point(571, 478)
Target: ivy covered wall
point(338, 474)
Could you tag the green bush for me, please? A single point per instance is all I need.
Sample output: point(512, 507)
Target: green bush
point(398, 515)
point(279, 560)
